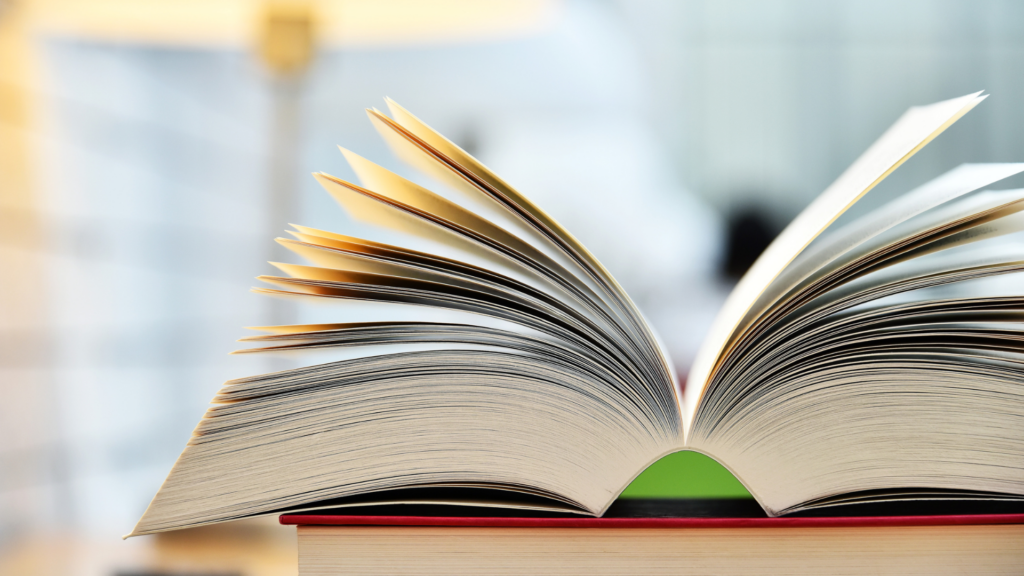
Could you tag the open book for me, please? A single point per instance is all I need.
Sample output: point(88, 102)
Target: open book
point(881, 359)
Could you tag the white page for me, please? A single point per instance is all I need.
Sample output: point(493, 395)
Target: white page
point(840, 247)
point(914, 129)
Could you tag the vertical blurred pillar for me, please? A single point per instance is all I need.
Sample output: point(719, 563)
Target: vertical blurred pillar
point(287, 46)
point(30, 458)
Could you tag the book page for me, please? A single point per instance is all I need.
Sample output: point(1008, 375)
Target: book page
point(954, 222)
point(391, 185)
point(914, 129)
point(860, 237)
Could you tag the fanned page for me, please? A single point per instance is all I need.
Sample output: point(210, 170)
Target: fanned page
point(883, 360)
point(505, 366)
point(912, 131)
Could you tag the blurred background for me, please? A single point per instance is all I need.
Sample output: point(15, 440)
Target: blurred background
point(151, 149)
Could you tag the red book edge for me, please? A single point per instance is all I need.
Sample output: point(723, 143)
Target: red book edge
point(492, 522)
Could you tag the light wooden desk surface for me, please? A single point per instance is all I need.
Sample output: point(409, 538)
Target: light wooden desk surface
point(246, 548)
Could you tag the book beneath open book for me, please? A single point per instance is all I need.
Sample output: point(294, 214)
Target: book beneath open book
point(881, 359)
point(676, 537)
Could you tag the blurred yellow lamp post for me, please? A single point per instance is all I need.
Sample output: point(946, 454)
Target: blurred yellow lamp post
point(287, 41)
point(286, 35)
point(286, 47)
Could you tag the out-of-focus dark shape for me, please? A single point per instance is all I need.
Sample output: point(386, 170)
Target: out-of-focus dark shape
point(749, 232)
point(469, 140)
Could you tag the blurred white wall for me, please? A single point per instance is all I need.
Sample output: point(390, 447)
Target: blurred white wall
point(151, 202)
point(768, 101)
point(626, 119)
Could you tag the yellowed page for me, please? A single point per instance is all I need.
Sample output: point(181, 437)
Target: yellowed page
point(368, 207)
point(438, 157)
point(910, 133)
point(500, 188)
point(391, 185)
